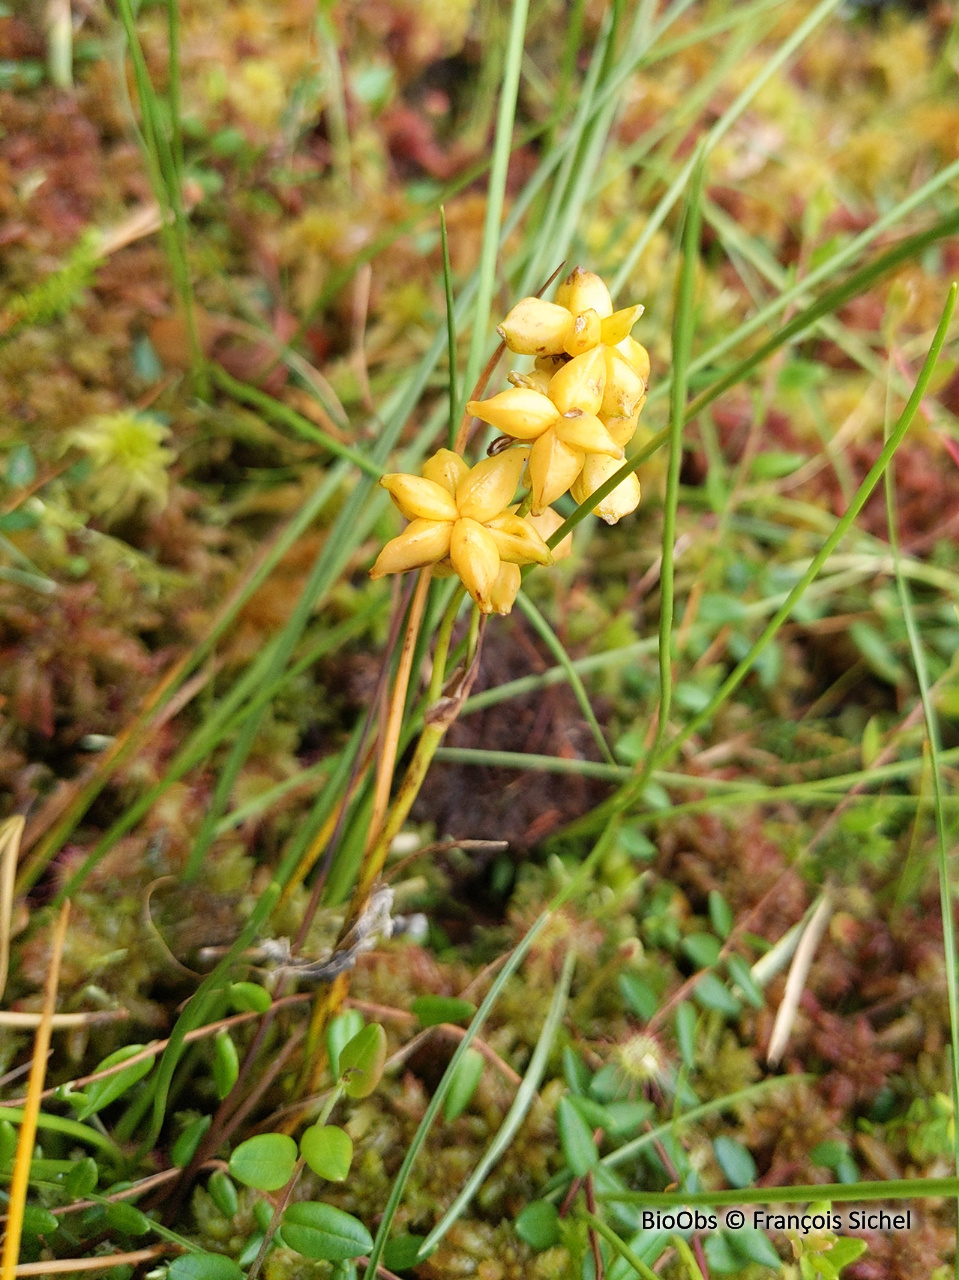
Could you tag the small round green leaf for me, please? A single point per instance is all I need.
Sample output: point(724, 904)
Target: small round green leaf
point(702, 949)
point(265, 1162)
point(328, 1150)
point(741, 974)
point(82, 1178)
point(403, 1252)
point(184, 1149)
point(713, 994)
point(102, 1092)
point(8, 1141)
point(576, 1138)
point(325, 1233)
point(638, 995)
point(251, 1248)
point(340, 1032)
point(362, 1060)
point(735, 1161)
point(686, 1033)
point(432, 1010)
point(21, 466)
point(223, 1193)
point(204, 1266)
point(127, 1218)
point(249, 997)
point(465, 1078)
point(575, 1071)
point(226, 1063)
point(38, 1221)
point(538, 1225)
point(720, 913)
point(262, 1214)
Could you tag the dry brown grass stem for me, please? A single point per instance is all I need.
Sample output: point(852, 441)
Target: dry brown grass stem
point(156, 1048)
point(390, 739)
point(62, 1021)
point(11, 832)
point(63, 1266)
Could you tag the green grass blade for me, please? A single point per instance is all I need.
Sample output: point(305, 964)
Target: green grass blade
point(535, 763)
point(555, 646)
point(475, 1026)
point(284, 416)
point(450, 329)
point(934, 739)
point(684, 324)
point(620, 1246)
point(522, 1102)
point(830, 301)
point(843, 257)
point(718, 131)
point(836, 1192)
point(502, 146)
point(896, 436)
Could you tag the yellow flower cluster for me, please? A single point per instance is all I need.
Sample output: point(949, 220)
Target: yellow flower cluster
point(581, 403)
point(461, 521)
point(571, 416)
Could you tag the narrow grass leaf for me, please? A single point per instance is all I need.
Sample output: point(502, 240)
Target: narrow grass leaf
point(525, 1095)
point(943, 847)
point(556, 647)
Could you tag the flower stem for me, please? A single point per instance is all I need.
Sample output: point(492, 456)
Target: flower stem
point(441, 711)
point(389, 743)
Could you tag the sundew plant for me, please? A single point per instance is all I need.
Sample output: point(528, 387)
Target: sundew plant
point(479, 606)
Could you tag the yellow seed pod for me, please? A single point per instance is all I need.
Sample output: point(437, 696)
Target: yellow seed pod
point(553, 466)
point(585, 433)
point(535, 327)
point(517, 541)
point(546, 524)
point(520, 412)
point(418, 498)
point(617, 326)
point(623, 389)
point(624, 498)
point(505, 589)
point(536, 380)
point(549, 364)
point(580, 383)
point(445, 468)
point(637, 355)
point(421, 543)
point(584, 291)
point(584, 334)
point(475, 558)
point(487, 489)
point(622, 430)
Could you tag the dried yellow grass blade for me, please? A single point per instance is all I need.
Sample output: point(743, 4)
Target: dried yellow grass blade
point(11, 832)
point(31, 1107)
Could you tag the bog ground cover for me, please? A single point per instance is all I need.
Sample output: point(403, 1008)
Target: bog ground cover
point(527, 906)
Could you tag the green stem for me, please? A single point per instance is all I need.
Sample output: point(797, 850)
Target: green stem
point(496, 190)
point(621, 1247)
point(450, 329)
